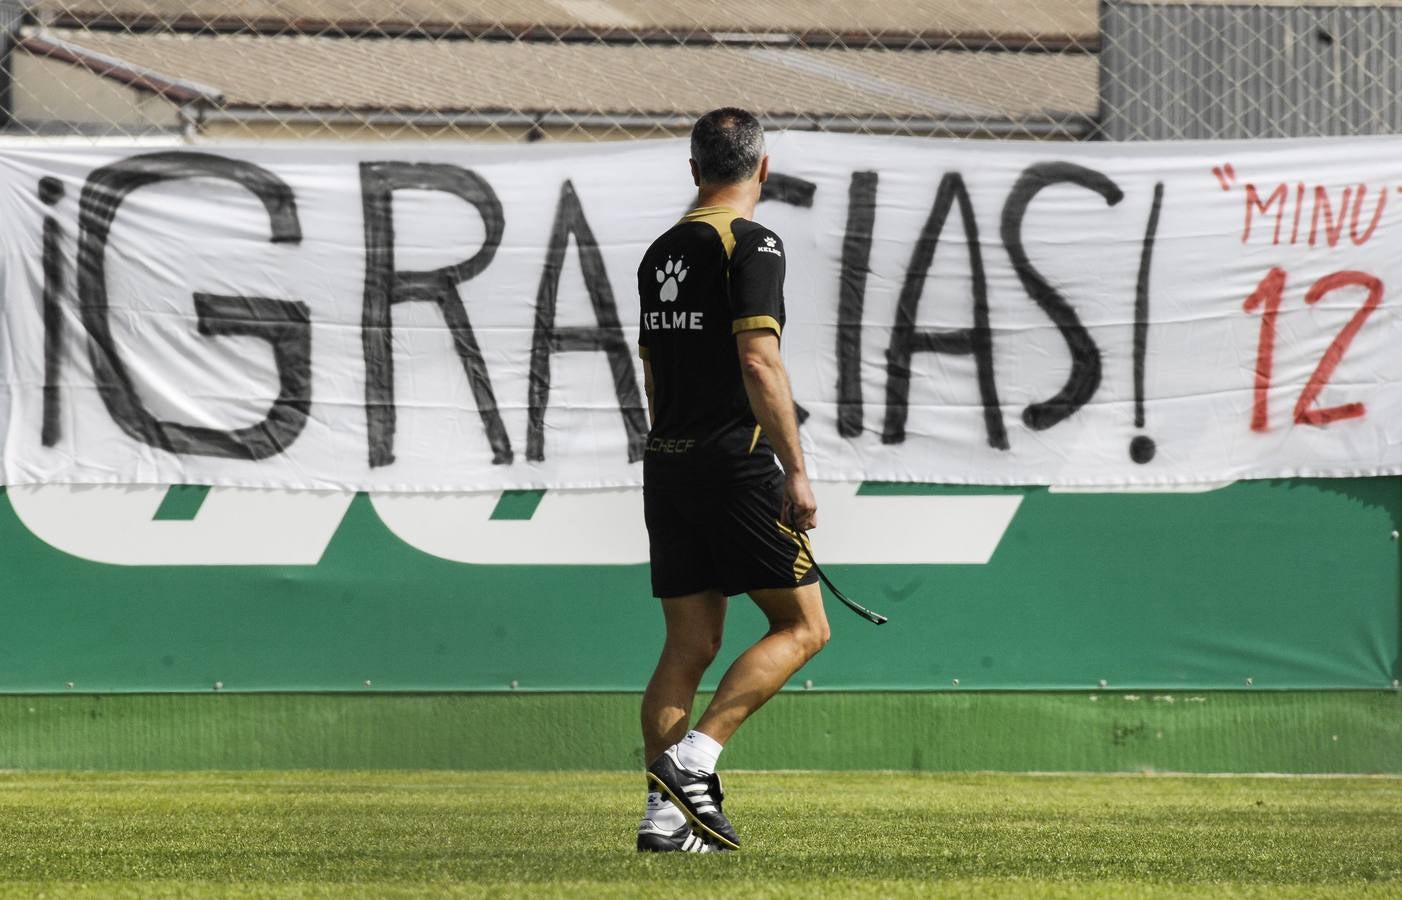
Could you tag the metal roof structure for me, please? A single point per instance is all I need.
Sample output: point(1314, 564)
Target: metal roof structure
point(323, 73)
point(1014, 68)
point(1051, 23)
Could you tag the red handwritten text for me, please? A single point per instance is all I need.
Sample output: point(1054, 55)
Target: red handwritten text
point(1316, 215)
point(1268, 297)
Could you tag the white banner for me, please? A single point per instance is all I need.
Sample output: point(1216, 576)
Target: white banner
point(389, 317)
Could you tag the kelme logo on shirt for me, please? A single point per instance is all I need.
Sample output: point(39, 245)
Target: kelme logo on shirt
point(769, 247)
point(670, 277)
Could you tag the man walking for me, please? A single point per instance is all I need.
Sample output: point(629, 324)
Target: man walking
point(722, 517)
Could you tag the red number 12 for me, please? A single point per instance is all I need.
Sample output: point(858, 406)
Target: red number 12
point(1267, 297)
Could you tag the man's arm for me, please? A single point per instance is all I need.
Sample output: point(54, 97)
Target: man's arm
point(771, 399)
point(647, 389)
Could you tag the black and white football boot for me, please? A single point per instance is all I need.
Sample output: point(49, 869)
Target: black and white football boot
point(699, 796)
point(653, 838)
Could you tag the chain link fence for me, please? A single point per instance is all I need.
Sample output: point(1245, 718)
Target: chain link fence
point(524, 70)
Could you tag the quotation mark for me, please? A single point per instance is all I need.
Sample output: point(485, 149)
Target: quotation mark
point(1225, 175)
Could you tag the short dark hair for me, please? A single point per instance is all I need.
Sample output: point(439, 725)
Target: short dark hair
point(727, 144)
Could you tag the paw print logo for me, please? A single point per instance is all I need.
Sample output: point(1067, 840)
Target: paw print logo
point(769, 241)
point(670, 277)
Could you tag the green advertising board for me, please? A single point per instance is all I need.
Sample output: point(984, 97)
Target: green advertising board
point(1261, 585)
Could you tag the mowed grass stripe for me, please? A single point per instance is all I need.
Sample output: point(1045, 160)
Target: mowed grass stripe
point(977, 889)
point(825, 834)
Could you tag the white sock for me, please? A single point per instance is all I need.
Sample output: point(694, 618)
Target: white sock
point(698, 752)
point(663, 812)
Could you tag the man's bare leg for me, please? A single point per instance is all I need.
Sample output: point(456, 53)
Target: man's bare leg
point(798, 629)
point(694, 626)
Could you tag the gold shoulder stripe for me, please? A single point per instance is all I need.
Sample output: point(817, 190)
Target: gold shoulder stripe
point(754, 440)
point(750, 323)
point(719, 218)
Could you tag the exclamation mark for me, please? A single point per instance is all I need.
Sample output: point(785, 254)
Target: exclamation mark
point(1142, 447)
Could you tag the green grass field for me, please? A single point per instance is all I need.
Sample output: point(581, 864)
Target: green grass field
point(399, 834)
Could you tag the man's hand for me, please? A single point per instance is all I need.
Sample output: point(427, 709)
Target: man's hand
point(767, 385)
point(800, 506)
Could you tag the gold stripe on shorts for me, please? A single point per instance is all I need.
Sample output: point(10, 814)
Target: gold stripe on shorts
point(801, 562)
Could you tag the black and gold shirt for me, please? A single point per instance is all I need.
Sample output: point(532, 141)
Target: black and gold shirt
point(709, 277)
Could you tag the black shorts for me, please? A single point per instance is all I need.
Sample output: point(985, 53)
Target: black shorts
point(726, 538)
